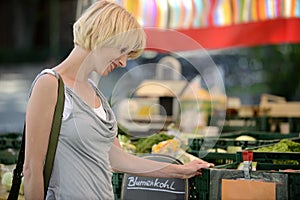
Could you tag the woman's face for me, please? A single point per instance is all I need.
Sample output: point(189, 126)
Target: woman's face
point(108, 59)
point(115, 63)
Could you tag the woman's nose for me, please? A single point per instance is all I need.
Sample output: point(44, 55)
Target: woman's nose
point(123, 60)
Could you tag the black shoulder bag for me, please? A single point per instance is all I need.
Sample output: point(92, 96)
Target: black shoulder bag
point(53, 139)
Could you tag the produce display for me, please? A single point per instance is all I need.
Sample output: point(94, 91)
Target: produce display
point(218, 150)
point(172, 147)
point(234, 149)
point(285, 145)
point(142, 145)
point(6, 181)
point(160, 143)
point(245, 138)
point(229, 148)
point(126, 144)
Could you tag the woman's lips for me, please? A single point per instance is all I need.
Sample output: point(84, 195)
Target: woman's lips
point(113, 66)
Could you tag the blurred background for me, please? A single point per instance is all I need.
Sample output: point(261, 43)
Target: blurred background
point(254, 44)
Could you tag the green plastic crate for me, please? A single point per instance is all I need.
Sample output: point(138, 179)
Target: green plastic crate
point(294, 185)
point(266, 160)
point(198, 146)
point(238, 123)
point(258, 123)
point(9, 156)
point(215, 157)
point(228, 139)
point(288, 183)
point(117, 180)
point(259, 135)
point(294, 123)
point(10, 140)
point(10, 144)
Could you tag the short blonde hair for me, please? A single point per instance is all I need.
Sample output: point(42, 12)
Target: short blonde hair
point(107, 24)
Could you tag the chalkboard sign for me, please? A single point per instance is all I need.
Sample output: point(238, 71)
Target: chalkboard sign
point(138, 187)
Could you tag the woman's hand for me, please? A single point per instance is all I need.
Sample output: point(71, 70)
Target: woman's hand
point(194, 168)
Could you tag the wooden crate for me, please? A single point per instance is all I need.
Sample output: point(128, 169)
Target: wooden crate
point(276, 106)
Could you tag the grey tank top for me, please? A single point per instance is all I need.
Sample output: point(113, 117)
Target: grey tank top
point(81, 168)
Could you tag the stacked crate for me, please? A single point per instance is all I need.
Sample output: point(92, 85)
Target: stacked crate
point(199, 146)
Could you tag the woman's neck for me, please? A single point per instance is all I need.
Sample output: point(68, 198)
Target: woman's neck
point(74, 66)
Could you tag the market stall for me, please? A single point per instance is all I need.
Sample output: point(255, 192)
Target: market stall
point(195, 121)
point(217, 25)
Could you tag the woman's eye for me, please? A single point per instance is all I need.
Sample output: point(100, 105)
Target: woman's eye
point(123, 50)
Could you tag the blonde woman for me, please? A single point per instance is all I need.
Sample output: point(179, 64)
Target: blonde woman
point(105, 36)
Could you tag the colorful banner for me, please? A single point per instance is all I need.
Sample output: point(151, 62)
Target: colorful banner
point(219, 23)
point(278, 31)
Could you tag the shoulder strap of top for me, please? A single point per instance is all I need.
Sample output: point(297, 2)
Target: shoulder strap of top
point(45, 71)
point(50, 71)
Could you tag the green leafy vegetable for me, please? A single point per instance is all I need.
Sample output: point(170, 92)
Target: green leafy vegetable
point(144, 145)
point(285, 145)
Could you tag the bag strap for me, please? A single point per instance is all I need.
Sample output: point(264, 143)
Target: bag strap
point(18, 171)
point(53, 139)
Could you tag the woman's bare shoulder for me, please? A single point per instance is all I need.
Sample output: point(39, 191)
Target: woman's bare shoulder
point(45, 86)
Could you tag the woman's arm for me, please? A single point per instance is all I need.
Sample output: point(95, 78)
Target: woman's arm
point(124, 162)
point(39, 117)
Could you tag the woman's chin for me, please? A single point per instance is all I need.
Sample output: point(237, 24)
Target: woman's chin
point(105, 73)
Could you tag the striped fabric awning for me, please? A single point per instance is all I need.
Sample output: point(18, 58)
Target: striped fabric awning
point(173, 25)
